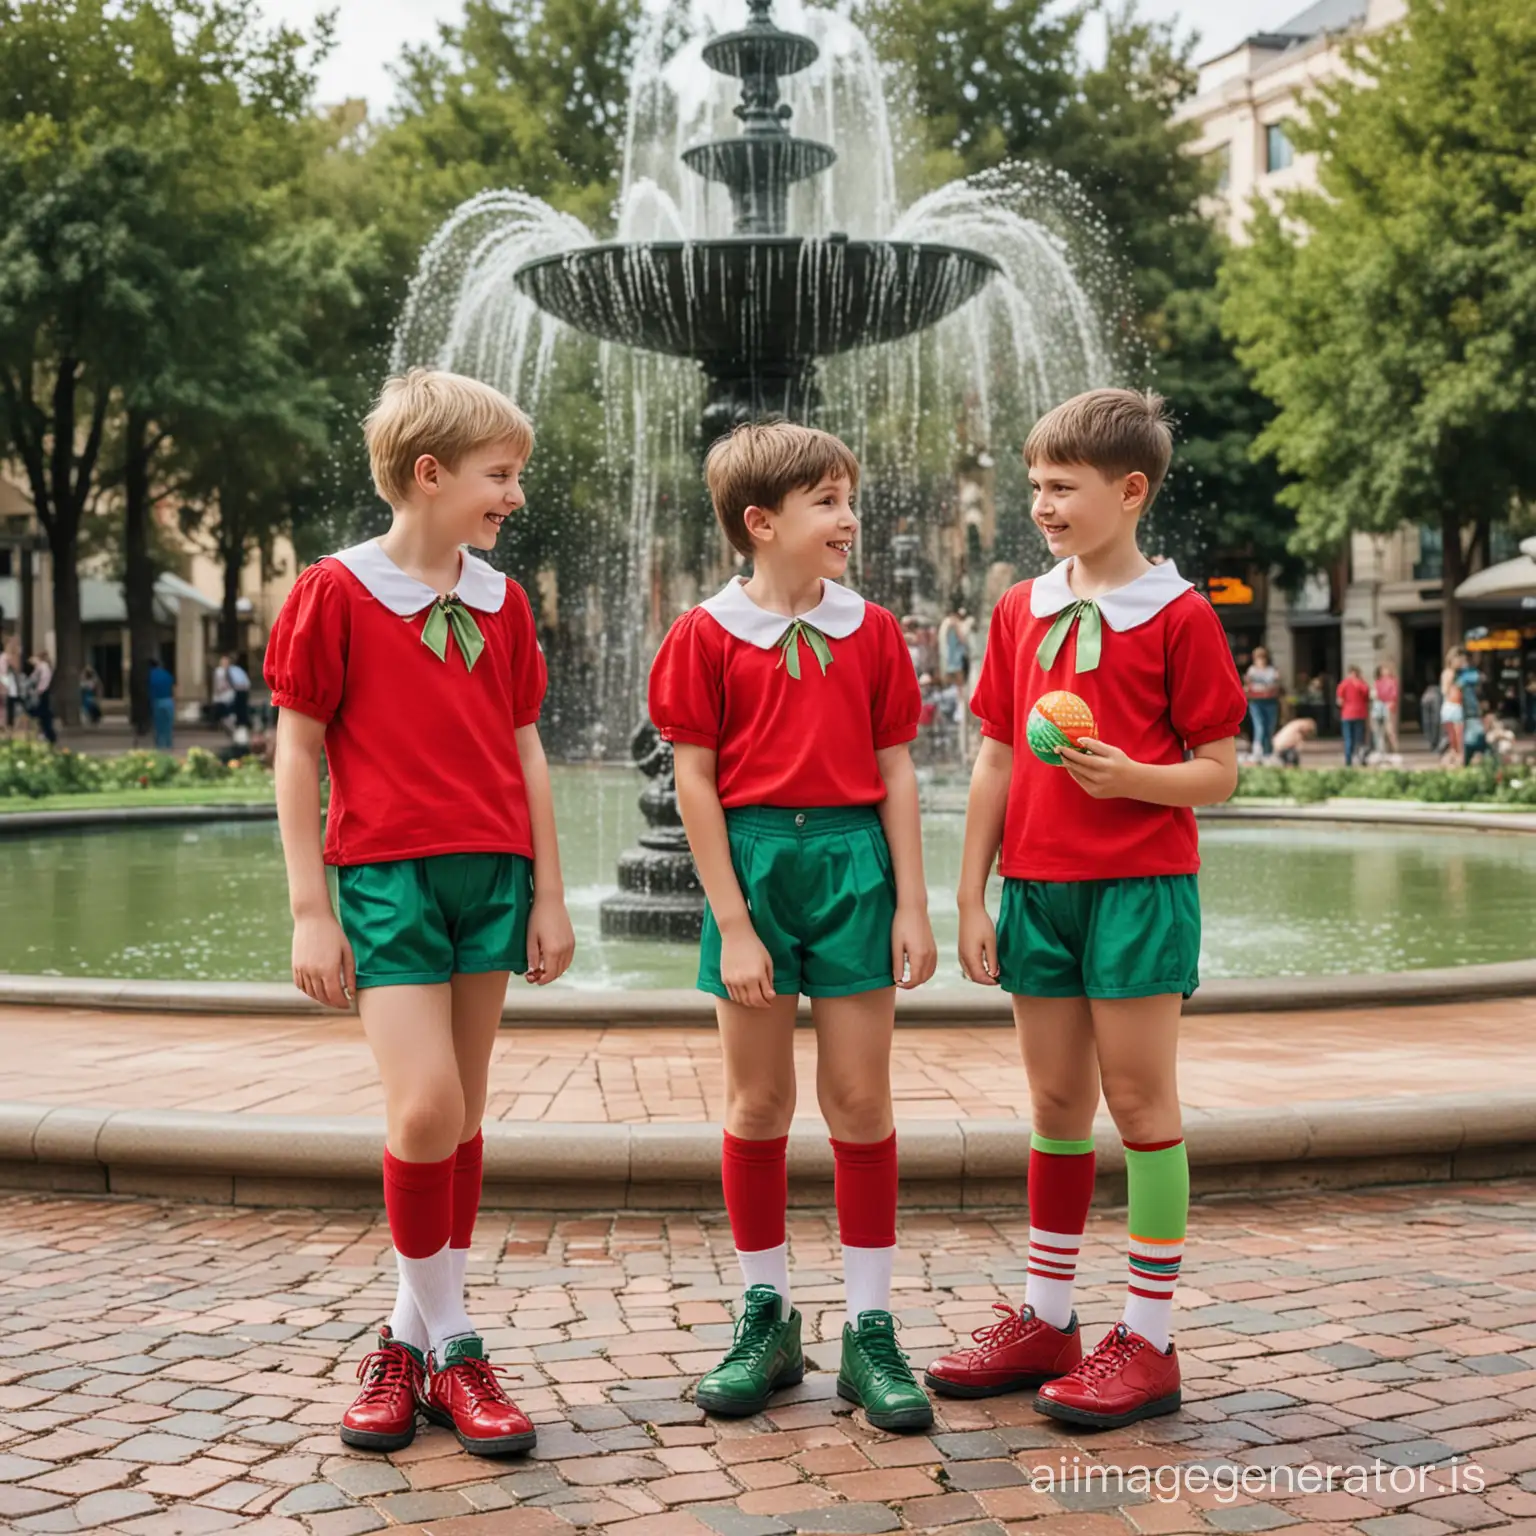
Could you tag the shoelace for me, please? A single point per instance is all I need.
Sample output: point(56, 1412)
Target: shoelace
point(386, 1371)
point(995, 1336)
point(479, 1382)
point(1113, 1351)
point(754, 1331)
point(882, 1352)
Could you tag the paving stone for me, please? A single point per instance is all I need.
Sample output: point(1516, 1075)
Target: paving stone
point(162, 1450)
point(848, 1519)
point(972, 1446)
point(1249, 1517)
point(1415, 1453)
point(411, 1508)
point(205, 1399)
point(111, 1506)
point(365, 1478)
point(1240, 1404)
point(14, 1468)
point(311, 1499)
point(356, 1521)
point(198, 1426)
point(968, 1476)
point(729, 1521)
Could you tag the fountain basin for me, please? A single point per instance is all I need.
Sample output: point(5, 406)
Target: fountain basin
point(743, 303)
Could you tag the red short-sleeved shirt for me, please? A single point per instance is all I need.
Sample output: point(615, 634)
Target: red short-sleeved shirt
point(718, 681)
point(1354, 698)
point(1165, 682)
point(422, 752)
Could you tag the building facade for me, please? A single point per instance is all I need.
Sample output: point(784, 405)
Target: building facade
point(1381, 602)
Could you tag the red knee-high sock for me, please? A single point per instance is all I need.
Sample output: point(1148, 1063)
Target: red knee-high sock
point(468, 1172)
point(756, 1179)
point(417, 1200)
point(865, 1190)
point(1060, 1192)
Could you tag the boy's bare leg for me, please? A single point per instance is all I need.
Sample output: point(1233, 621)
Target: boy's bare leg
point(1137, 1044)
point(410, 1031)
point(1056, 1045)
point(853, 1088)
point(757, 1046)
point(477, 1003)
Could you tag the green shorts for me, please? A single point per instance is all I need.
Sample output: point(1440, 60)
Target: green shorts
point(1100, 938)
point(822, 894)
point(415, 922)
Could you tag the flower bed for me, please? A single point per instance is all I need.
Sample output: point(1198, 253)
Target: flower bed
point(1509, 785)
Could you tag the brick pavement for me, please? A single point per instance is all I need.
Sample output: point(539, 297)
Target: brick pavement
point(322, 1066)
point(169, 1370)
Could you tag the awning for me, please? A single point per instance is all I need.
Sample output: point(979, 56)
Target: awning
point(101, 602)
point(1509, 580)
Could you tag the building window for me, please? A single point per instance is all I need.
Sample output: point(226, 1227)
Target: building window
point(1430, 566)
point(1278, 153)
point(1220, 162)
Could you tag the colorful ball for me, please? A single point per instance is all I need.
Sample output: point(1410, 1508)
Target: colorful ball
point(1057, 720)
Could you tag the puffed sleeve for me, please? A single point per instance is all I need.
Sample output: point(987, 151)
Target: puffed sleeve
point(686, 694)
point(530, 672)
point(992, 701)
point(1206, 701)
point(306, 660)
point(897, 701)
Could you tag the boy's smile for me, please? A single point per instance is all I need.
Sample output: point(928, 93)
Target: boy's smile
point(480, 495)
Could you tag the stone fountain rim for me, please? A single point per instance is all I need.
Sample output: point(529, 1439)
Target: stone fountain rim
point(732, 242)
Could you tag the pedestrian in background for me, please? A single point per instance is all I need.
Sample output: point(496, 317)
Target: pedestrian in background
point(162, 704)
point(1354, 700)
point(1384, 696)
point(1261, 683)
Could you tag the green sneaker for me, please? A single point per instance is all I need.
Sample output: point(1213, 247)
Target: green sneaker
point(875, 1375)
point(764, 1356)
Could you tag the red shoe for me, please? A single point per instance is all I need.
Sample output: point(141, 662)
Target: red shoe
point(463, 1395)
point(383, 1418)
point(1021, 1351)
point(1123, 1380)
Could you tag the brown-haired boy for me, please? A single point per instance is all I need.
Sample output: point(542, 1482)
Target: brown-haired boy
point(1098, 937)
point(790, 702)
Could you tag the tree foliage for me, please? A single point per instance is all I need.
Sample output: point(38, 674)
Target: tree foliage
point(1390, 315)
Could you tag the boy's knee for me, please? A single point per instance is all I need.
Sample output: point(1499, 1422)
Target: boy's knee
point(1139, 1113)
point(760, 1112)
point(857, 1113)
point(429, 1123)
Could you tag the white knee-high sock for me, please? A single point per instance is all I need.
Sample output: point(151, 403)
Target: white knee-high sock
point(767, 1266)
point(438, 1292)
point(406, 1322)
point(867, 1280)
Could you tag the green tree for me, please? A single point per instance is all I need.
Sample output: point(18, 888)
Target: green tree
point(1004, 82)
point(1390, 315)
point(139, 148)
point(521, 93)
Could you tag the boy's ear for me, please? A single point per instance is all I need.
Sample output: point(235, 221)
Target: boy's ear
point(758, 522)
point(427, 473)
point(1134, 492)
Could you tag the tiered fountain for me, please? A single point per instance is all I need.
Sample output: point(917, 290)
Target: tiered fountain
point(756, 309)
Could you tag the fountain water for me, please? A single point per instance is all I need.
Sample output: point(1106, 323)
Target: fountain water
point(707, 311)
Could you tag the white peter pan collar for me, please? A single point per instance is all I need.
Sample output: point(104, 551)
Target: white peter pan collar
point(837, 615)
point(1124, 608)
point(480, 584)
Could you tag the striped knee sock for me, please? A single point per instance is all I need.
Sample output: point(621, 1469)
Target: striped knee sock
point(1157, 1180)
point(1060, 1190)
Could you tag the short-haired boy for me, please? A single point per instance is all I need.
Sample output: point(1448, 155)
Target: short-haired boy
point(790, 702)
point(1098, 937)
point(415, 667)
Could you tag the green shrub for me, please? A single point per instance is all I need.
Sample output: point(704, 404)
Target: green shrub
point(1510, 784)
point(32, 769)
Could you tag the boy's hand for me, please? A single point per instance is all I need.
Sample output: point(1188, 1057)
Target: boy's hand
point(323, 967)
point(551, 940)
point(914, 955)
point(978, 946)
point(1106, 775)
point(746, 968)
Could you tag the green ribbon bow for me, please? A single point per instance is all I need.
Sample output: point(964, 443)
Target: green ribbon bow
point(1090, 636)
point(450, 613)
point(789, 647)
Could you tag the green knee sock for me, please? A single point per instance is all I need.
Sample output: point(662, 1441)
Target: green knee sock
point(1157, 1183)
